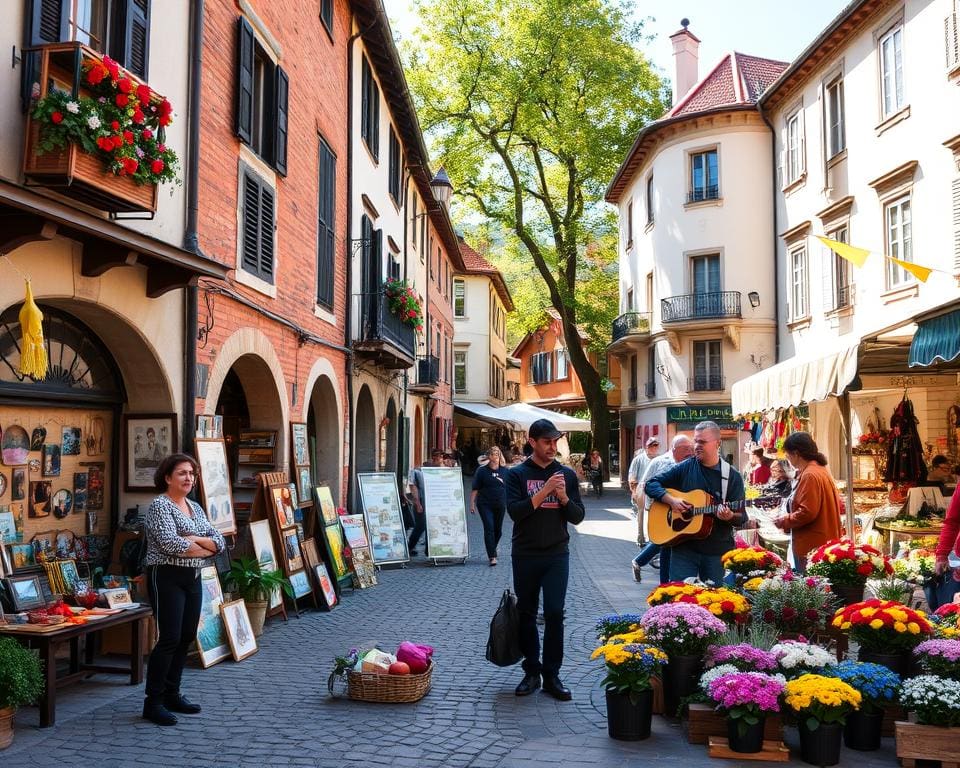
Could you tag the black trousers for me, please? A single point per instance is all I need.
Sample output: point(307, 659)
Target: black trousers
point(419, 528)
point(533, 574)
point(176, 596)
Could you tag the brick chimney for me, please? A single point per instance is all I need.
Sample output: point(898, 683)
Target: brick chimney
point(685, 58)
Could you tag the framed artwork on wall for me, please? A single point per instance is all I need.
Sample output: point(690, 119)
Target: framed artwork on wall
point(148, 438)
point(215, 484)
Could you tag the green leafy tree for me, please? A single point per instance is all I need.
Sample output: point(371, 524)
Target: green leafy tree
point(532, 106)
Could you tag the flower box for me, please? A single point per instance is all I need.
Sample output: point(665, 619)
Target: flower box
point(927, 742)
point(71, 170)
point(703, 722)
point(892, 713)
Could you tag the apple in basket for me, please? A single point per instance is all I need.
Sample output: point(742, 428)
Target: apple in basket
point(399, 668)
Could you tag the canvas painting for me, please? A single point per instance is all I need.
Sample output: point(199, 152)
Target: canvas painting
point(303, 486)
point(211, 633)
point(283, 505)
point(364, 571)
point(291, 550)
point(70, 441)
point(22, 555)
point(263, 550)
point(18, 484)
point(70, 575)
point(95, 486)
point(298, 440)
point(354, 530)
point(25, 591)
point(334, 539)
point(301, 584)
point(39, 498)
point(51, 460)
point(327, 507)
point(37, 438)
point(62, 503)
point(327, 591)
point(215, 484)
point(148, 439)
point(79, 491)
point(236, 622)
point(14, 445)
point(8, 527)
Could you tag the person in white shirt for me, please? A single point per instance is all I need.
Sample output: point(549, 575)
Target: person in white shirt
point(637, 469)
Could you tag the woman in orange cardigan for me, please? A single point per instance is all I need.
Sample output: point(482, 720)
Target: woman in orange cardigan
point(814, 516)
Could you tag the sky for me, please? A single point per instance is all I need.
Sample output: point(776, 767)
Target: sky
point(756, 27)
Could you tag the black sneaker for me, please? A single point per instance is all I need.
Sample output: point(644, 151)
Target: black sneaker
point(413, 552)
point(155, 712)
point(181, 704)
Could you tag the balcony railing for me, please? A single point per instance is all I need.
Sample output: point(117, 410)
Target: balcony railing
point(378, 324)
point(650, 389)
point(631, 394)
point(708, 382)
point(844, 296)
point(710, 192)
point(630, 322)
point(700, 306)
point(428, 370)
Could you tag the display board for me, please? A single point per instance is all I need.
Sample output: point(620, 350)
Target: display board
point(381, 510)
point(446, 513)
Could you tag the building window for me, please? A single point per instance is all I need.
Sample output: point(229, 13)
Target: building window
point(257, 224)
point(541, 368)
point(262, 101)
point(838, 288)
point(326, 233)
point(326, 14)
point(369, 110)
point(395, 182)
point(563, 365)
point(704, 177)
point(836, 136)
point(795, 165)
point(460, 371)
point(891, 71)
point(88, 22)
point(629, 223)
point(899, 224)
point(650, 199)
point(707, 366)
point(459, 298)
point(706, 273)
point(799, 307)
point(651, 391)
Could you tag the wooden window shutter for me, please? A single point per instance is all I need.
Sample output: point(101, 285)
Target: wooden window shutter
point(364, 101)
point(48, 22)
point(251, 225)
point(135, 50)
point(326, 233)
point(266, 232)
point(245, 51)
point(282, 99)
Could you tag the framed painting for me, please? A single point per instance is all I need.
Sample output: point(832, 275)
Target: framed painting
point(79, 491)
point(22, 555)
point(293, 558)
point(148, 438)
point(328, 509)
point(14, 445)
point(236, 623)
point(40, 491)
point(262, 541)
point(70, 441)
point(299, 451)
point(301, 584)
point(365, 573)
point(69, 576)
point(354, 531)
point(311, 554)
point(215, 484)
point(25, 592)
point(381, 509)
point(95, 485)
point(62, 503)
point(304, 482)
point(327, 592)
point(8, 527)
point(18, 484)
point(51, 460)
point(212, 640)
point(283, 505)
point(334, 539)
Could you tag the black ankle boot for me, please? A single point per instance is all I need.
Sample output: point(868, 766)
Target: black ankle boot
point(156, 712)
point(177, 702)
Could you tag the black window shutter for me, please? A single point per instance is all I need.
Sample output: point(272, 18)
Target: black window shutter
point(325, 234)
point(281, 93)
point(48, 22)
point(375, 118)
point(378, 258)
point(364, 101)
point(251, 225)
point(245, 81)
point(326, 14)
point(266, 232)
point(136, 37)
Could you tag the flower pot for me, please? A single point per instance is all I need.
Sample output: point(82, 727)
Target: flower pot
point(849, 593)
point(896, 662)
point(822, 746)
point(629, 720)
point(862, 731)
point(743, 737)
point(257, 611)
point(6, 726)
point(681, 676)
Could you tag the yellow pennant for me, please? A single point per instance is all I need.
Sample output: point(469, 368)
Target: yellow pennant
point(919, 272)
point(855, 256)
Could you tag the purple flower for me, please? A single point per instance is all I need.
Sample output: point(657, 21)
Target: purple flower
point(752, 690)
point(743, 656)
point(681, 628)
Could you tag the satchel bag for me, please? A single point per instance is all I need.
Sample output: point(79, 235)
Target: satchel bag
point(503, 645)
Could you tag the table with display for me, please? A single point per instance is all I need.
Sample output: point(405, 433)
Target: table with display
point(47, 640)
point(891, 529)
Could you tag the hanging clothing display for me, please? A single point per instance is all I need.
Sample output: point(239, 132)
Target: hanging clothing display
point(905, 462)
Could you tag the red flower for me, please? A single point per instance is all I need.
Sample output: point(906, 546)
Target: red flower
point(122, 99)
point(164, 120)
point(105, 143)
point(124, 85)
point(811, 614)
point(411, 313)
point(112, 67)
point(789, 612)
point(157, 166)
point(865, 570)
point(115, 125)
point(147, 133)
point(144, 93)
point(769, 615)
point(56, 117)
point(138, 116)
point(166, 108)
point(130, 164)
point(727, 606)
point(128, 137)
point(96, 74)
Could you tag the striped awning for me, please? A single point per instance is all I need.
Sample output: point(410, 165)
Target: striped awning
point(936, 340)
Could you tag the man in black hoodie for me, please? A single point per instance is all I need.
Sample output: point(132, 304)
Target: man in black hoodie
point(542, 497)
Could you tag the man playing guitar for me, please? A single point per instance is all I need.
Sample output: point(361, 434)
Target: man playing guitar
point(705, 471)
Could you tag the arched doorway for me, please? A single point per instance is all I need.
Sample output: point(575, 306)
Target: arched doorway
point(365, 433)
point(390, 460)
point(418, 437)
point(323, 429)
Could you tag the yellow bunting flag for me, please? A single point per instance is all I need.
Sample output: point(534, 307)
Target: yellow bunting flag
point(856, 256)
point(919, 272)
point(33, 354)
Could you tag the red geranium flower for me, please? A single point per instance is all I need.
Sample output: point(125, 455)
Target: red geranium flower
point(147, 133)
point(144, 93)
point(128, 137)
point(96, 74)
point(166, 107)
point(122, 99)
point(115, 125)
point(157, 166)
point(865, 570)
point(164, 120)
point(112, 67)
point(124, 85)
point(138, 116)
point(789, 612)
point(56, 117)
point(130, 165)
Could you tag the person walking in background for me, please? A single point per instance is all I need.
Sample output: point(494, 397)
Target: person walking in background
point(706, 471)
point(592, 466)
point(637, 469)
point(681, 449)
point(813, 512)
point(543, 496)
point(488, 497)
point(418, 501)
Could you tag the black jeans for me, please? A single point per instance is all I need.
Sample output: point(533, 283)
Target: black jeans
point(176, 596)
point(492, 519)
point(531, 574)
point(419, 528)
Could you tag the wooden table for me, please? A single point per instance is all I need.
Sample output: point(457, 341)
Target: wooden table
point(48, 642)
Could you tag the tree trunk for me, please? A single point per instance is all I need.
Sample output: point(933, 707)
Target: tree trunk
point(600, 424)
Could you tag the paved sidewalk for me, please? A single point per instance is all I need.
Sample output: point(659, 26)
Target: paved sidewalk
point(273, 709)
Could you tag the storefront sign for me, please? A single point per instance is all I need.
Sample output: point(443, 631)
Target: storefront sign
point(696, 413)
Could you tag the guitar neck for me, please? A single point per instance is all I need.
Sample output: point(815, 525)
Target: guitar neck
point(712, 509)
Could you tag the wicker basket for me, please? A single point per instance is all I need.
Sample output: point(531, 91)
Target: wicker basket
point(388, 689)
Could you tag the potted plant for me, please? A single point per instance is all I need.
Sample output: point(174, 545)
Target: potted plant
point(939, 657)
point(684, 632)
point(936, 735)
point(848, 566)
point(255, 585)
point(821, 705)
point(746, 698)
point(793, 605)
point(750, 562)
point(796, 658)
point(743, 656)
point(878, 686)
point(630, 664)
point(674, 592)
point(885, 630)
point(947, 621)
point(21, 683)
point(616, 624)
point(404, 303)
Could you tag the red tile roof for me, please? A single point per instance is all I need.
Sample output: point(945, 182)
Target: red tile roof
point(477, 265)
point(736, 79)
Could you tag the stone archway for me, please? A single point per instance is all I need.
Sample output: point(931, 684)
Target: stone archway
point(325, 435)
point(365, 433)
point(391, 462)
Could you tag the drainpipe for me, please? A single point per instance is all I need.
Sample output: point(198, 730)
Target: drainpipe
point(191, 240)
point(776, 243)
point(348, 314)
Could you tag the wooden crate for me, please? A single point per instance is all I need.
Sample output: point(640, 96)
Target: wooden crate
point(891, 714)
point(702, 722)
point(772, 752)
point(927, 742)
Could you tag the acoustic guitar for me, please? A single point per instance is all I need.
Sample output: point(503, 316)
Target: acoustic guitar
point(667, 529)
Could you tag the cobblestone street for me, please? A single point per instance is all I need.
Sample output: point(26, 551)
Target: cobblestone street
point(273, 709)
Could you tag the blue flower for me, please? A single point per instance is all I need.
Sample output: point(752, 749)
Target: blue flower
point(875, 682)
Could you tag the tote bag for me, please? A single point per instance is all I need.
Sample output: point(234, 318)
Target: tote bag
point(503, 645)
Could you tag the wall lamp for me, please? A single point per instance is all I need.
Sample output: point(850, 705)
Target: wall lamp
point(754, 298)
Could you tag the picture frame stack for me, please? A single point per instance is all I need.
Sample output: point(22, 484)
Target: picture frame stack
point(361, 558)
point(300, 471)
point(329, 527)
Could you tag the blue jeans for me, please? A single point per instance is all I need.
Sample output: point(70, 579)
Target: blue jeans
point(650, 551)
point(942, 593)
point(686, 562)
point(492, 519)
point(531, 575)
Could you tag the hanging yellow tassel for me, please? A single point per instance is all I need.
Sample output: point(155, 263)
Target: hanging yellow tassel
point(33, 354)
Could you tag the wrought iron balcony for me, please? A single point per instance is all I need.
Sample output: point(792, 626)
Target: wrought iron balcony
point(707, 382)
point(428, 374)
point(710, 192)
point(700, 306)
point(630, 323)
point(381, 335)
point(650, 389)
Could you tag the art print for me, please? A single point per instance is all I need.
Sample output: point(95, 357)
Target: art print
point(70, 441)
point(334, 539)
point(364, 571)
point(51, 460)
point(298, 444)
point(215, 484)
point(95, 486)
point(79, 491)
point(304, 482)
point(446, 515)
point(212, 642)
point(23, 555)
point(291, 550)
point(236, 622)
point(8, 527)
point(262, 542)
point(18, 483)
point(69, 575)
point(327, 508)
point(37, 438)
point(327, 591)
point(149, 438)
point(62, 503)
point(301, 584)
point(354, 531)
point(25, 592)
point(283, 508)
point(14, 445)
point(40, 491)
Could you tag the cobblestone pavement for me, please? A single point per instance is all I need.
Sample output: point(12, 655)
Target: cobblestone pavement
point(273, 709)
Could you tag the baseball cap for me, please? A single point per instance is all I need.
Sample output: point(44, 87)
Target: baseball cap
point(544, 428)
point(653, 441)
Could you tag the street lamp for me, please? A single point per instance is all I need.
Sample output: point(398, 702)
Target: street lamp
point(754, 298)
point(442, 188)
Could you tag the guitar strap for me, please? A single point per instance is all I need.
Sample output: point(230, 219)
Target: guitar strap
point(724, 479)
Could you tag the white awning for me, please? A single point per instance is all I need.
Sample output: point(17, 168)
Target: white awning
point(814, 375)
point(482, 412)
point(525, 414)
